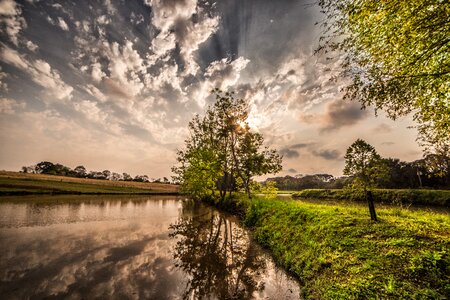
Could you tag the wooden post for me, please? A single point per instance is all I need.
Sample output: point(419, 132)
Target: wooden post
point(373, 214)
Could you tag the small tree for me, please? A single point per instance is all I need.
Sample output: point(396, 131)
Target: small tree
point(367, 167)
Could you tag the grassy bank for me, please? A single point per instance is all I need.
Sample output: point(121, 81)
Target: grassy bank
point(338, 253)
point(14, 183)
point(390, 196)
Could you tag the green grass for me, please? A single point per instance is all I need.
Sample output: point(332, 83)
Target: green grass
point(338, 253)
point(391, 196)
point(17, 186)
point(286, 192)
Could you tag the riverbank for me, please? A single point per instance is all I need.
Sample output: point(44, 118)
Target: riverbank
point(338, 253)
point(15, 183)
point(388, 196)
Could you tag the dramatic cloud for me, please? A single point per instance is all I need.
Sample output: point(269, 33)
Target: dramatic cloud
point(11, 21)
point(63, 24)
point(327, 154)
point(289, 153)
point(40, 72)
point(113, 84)
point(338, 114)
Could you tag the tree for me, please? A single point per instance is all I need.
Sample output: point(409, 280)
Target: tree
point(397, 54)
point(367, 167)
point(44, 167)
point(106, 174)
point(141, 178)
point(222, 151)
point(80, 171)
point(115, 176)
point(126, 177)
point(250, 161)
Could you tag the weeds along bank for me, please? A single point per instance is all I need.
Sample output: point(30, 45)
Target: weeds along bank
point(338, 253)
point(400, 196)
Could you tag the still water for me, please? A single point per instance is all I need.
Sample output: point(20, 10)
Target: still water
point(155, 247)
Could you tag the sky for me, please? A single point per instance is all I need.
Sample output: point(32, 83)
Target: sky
point(112, 84)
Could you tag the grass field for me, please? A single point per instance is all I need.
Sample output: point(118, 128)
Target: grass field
point(338, 253)
point(14, 183)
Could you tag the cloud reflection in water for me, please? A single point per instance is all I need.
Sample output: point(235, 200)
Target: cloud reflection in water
point(130, 248)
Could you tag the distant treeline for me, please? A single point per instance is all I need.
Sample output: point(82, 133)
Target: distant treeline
point(424, 172)
point(46, 167)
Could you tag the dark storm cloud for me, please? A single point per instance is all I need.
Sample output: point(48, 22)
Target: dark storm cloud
point(289, 153)
point(301, 145)
point(327, 154)
point(338, 114)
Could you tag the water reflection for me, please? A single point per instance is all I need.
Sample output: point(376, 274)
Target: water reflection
point(222, 261)
point(129, 248)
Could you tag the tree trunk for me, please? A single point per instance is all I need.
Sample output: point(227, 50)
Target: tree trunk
point(373, 214)
point(248, 192)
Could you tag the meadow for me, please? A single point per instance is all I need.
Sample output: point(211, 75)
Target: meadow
point(15, 183)
point(337, 252)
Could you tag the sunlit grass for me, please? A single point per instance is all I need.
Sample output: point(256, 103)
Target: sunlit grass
point(338, 253)
point(17, 183)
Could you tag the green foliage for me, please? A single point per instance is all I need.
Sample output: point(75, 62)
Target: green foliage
point(364, 164)
point(397, 54)
point(270, 190)
point(338, 254)
point(390, 196)
point(222, 152)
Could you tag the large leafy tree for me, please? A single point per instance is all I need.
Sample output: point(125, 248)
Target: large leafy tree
point(397, 54)
point(222, 151)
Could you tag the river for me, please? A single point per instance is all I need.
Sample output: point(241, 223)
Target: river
point(118, 247)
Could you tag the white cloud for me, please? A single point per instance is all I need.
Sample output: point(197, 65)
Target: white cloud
point(220, 74)
point(163, 43)
point(32, 46)
point(174, 19)
point(50, 79)
point(97, 73)
point(165, 13)
point(91, 111)
point(11, 18)
point(63, 24)
point(196, 35)
point(3, 85)
point(95, 92)
point(13, 57)
point(9, 106)
point(40, 72)
point(8, 8)
point(103, 20)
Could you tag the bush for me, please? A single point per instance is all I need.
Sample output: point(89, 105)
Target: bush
point(388, 196)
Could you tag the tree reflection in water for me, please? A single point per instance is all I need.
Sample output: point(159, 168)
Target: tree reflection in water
point(217, 254)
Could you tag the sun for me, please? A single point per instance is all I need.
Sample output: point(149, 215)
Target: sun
point(254, 121)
